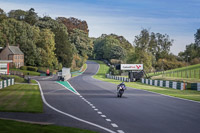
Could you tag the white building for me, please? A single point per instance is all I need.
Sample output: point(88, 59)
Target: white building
point(4, 66)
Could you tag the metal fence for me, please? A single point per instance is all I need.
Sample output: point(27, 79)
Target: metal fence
point(7, 82)
point(163, 83)
point(184, 74)
point(124, 79)
point(179, 74)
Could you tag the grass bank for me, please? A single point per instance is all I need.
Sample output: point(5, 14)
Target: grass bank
point(189, 72)
point(76, 73)
point(186, 94)
point(26, 72)
point(21, 98)
point(18, 79)
point(9, 126)
point(188, 80)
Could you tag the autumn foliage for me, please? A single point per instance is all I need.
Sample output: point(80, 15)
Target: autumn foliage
point(74, 23)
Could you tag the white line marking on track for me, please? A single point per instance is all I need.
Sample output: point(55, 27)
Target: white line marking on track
point(103, 116)
point(69, 115)
point(96, 109)
point(108, 120)
point(47, 78)
point(114, 125)
point(99, 113)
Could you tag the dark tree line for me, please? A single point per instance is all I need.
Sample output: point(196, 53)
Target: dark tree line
point(46, 42)
point(192, 52)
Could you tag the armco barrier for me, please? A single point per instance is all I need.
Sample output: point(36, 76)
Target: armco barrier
point(6, 83)
point(117, 78)
point(170, 84)
point(195, 86)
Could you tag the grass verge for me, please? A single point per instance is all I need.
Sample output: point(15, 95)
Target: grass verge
point(186, 94)
point(103, 70)
point(25, 72)
point(76, 73)
point(189, 72)
point(188, 80)
point(21, 98)
point(18, 79)
point(10, 126)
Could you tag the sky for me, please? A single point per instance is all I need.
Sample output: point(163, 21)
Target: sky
point(180, 19)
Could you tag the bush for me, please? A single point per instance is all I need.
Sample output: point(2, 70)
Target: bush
point(31, 68)
point(23, 67)
point(195, 61)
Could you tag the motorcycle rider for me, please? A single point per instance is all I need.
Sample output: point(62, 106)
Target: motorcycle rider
point(121, 84)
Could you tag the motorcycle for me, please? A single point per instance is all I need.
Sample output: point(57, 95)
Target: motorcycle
point(120, 90)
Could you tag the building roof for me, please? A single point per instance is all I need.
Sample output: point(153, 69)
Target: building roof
point(15, 50)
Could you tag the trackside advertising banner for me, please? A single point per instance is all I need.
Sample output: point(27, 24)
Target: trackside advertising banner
point(132, 67)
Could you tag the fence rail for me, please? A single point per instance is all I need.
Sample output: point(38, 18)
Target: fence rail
point(180, 74)
point(171, 84)
point(124, 79)
point(7, 82)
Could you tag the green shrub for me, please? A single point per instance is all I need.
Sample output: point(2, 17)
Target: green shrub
point(31, 68)
point(23, 67)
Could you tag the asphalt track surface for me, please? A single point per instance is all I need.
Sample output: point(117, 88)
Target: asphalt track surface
point(137, 111)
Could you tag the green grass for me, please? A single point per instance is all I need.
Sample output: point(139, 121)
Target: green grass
point(192, 71)
point(103, 70)
point(10, 126)
point(186, 94)
point(21, 98)
point(188, 80)
point(18, 79)
point(25, 72)
point(76, 73)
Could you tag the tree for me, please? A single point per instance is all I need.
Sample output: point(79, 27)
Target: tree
point(2, 15)
point(197, 38)
point(74, 23)
point(17, 14)
point(15, 32)
point(142, 41)
point(154, 43)
point(108, 47)
point(46, 48)
point(82, 46)
point(112, 47)
point(190, 53)
point(31, 17)
point(63, 47)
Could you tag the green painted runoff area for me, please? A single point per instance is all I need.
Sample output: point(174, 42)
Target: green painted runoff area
point(66, 84)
